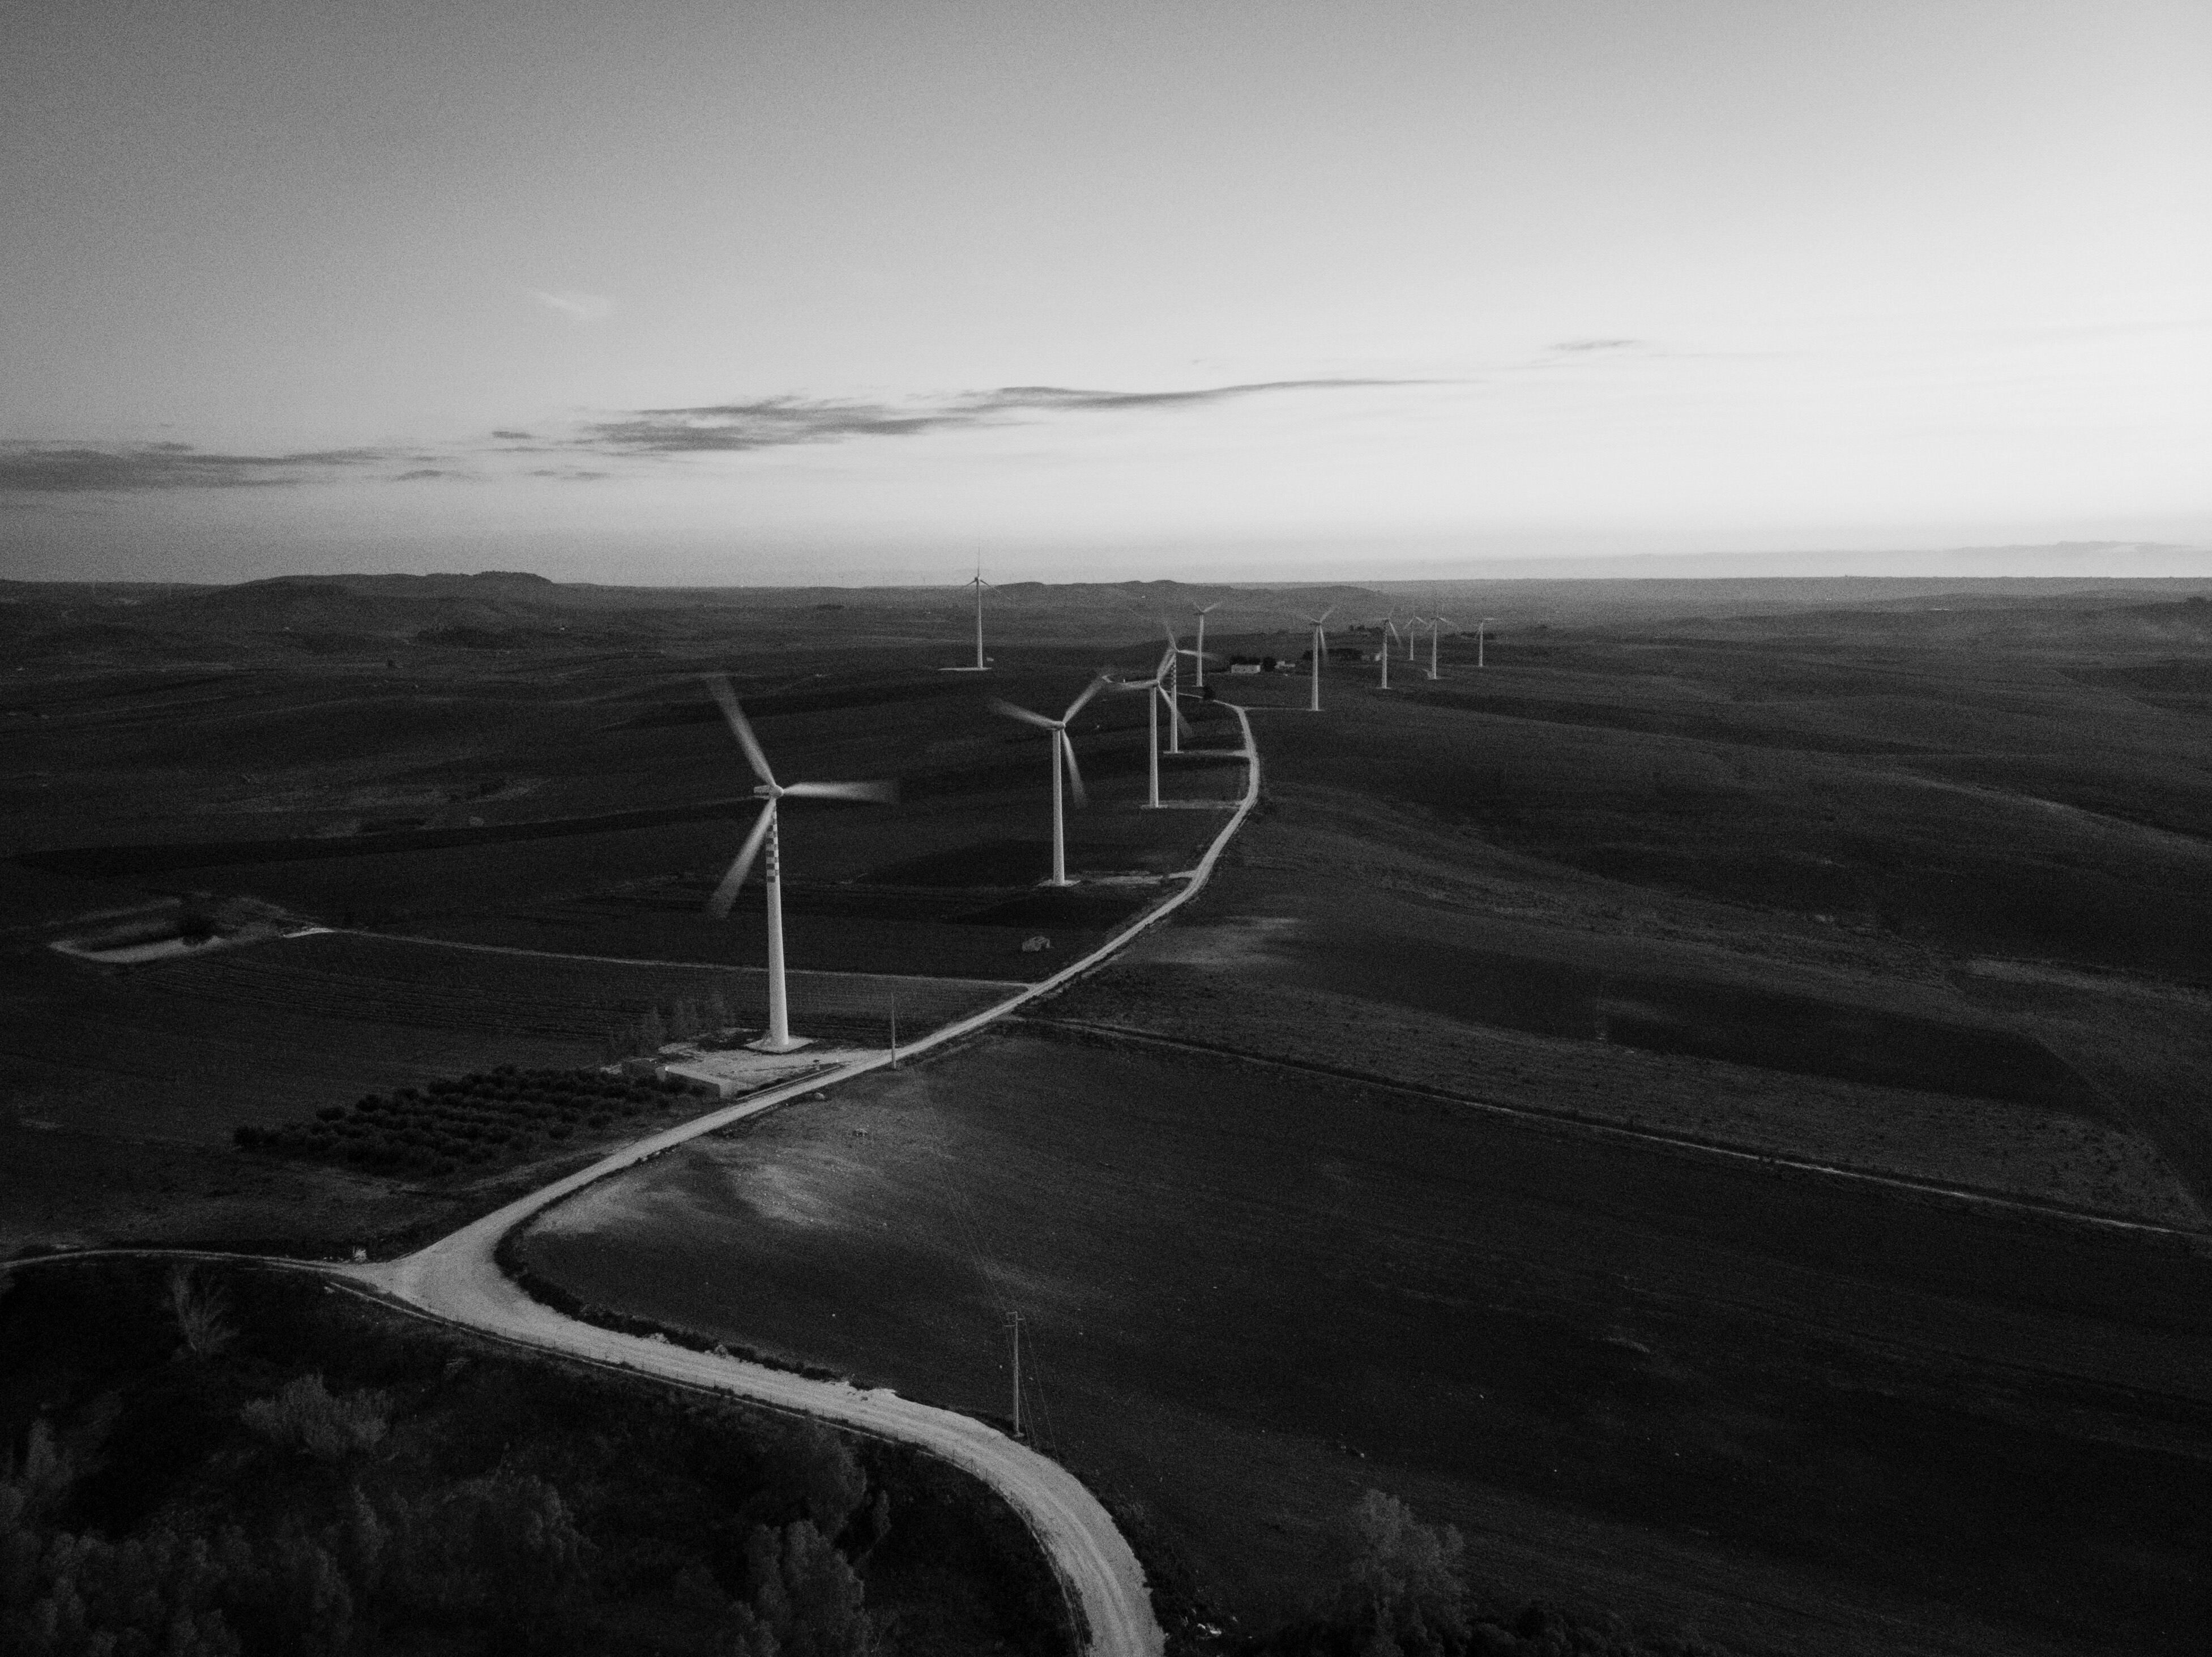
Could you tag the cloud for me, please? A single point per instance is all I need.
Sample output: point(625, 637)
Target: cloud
point(1598, 344)
point(576, 307)
point(775, 422)
point(420, 472)
point(58, 468)
point(570, 474)
point(514, 437)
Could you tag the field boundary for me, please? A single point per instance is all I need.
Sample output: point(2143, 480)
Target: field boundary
point(638, 961)
point(1963, 1195)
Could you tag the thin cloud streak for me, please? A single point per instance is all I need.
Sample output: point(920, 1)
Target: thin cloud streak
point(58, 468)
point(780, 422)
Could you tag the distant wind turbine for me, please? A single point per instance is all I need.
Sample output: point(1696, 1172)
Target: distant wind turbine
point(1481, 630)
point(1389, 638)
point(1204, 611)
point(1414, 626)
point(981, 586)
point(779, 1038)
point(1157, 686)
point(1320, 649)
point(1063, 751)
point(1436, 625)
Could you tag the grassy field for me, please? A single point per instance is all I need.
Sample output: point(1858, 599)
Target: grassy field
point(1803, 1417)
point(1853, 889)
point(125, 1088)
point(1915, 883)
point(570, 802)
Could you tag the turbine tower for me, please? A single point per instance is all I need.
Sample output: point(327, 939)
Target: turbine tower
point(1157, 686)
point(1063, 751)
point(1389, 638)
point(1480, 627)
point(1413, 626)
point(1320, 649)
point(1436, 626)
point(1172, 690)
point(779, 1038)
point(1204, 611)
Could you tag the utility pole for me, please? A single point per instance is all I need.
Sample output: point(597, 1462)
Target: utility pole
point(1014, 1319)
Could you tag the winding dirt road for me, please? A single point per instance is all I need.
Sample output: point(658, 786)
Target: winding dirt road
point(458, 1280)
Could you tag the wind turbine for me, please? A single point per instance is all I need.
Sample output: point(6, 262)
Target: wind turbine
point(1436, 626)
point(1204, 611)
point(779, 1038)
point(1414, 626)
point(981, 586)
point(1063, 751)
point(1157, 686)
point(1480, 626)
point(1320, 649)
point(1389, 638)
point(1180, 727)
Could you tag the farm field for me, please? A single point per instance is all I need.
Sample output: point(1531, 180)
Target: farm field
point(1912, 882)
point(189, 1050)
point(1803, 1417)
point(1743, 899)
point(573, 802)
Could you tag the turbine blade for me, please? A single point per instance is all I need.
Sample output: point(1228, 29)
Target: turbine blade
point(727, 893)
point(1023, 714)
point(741, 727)
point(1089, 691)
point(880, 794)
point(1074, 777)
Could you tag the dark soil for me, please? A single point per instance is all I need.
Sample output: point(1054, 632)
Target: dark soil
point(1247, 1292)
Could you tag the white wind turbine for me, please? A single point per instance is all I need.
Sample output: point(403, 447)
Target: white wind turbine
point(1204, 611)
point(1158, 685)
point(1414, 626)
point(1480, 632)
point(1180, 727)
point(779, 1038)
point(981, 586)
point(1063, 751)
point(1389, 638)
point(1436, 626)
point(1320, 650)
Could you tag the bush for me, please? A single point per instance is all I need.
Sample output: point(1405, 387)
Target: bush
point(202, 1313)
point(305, 1416)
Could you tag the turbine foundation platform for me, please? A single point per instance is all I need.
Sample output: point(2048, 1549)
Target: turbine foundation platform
point(789, 1044)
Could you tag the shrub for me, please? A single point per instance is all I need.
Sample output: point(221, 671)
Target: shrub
point(202, 1313)
point(1400, 1581)
point(304, 1415)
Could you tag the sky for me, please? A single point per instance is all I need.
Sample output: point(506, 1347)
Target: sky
point(839, 291)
